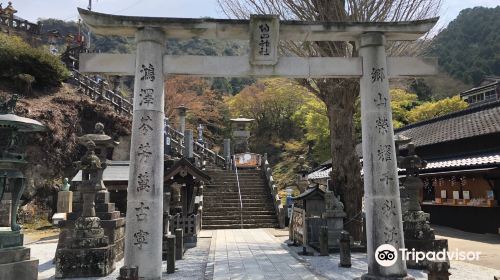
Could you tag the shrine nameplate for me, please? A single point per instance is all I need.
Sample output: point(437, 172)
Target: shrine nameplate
point(264, 39)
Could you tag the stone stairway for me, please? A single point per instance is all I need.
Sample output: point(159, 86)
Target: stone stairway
point(221, 203)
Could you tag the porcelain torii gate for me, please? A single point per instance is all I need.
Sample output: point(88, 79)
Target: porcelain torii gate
point(150, 65)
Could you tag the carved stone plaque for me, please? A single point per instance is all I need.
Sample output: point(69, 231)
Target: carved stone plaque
point(264, 39)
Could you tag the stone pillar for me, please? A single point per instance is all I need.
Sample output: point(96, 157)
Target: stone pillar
point(145, 185)
point(170, 254)
point(179, 243)
point(64, 202)
point(166, 138)
point(383, 208)
point(188, 143)
point(182, 117)
point(227, 152)
point(200, 134)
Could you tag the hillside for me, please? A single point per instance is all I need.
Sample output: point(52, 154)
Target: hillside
point(469, 48)
point(67, 115)
point(117, 44)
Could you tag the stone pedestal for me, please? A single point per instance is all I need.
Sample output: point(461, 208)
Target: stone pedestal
point(110, 220)
point(87, 252)
point(420, 237)
point(15, 262)
point(65, 202)
point(64, 206)
point(335, 223)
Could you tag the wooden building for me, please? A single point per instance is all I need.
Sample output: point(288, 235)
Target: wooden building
point(487, 91)
point(462, 176)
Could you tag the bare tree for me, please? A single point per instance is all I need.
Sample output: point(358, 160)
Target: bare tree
point(339, 95)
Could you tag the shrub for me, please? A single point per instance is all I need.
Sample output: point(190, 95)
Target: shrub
point(17, 57)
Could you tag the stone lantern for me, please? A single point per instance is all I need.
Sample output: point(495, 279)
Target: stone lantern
point(182, 110)
point(104, 146)
point(302, 171)
point(14, 258)
point(418, 234)
point(241, 134)
point(9, 11)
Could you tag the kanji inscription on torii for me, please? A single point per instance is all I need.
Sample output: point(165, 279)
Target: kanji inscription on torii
point(264, 39)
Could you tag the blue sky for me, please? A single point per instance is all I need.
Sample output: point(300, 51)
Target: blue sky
point(66, 9)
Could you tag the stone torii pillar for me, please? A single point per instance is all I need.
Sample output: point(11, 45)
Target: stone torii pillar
point(145, 185)
point(382, 204)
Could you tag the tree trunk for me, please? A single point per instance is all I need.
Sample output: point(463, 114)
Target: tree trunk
point(340, 97)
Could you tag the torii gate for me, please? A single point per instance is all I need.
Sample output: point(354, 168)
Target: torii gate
point(150, 65)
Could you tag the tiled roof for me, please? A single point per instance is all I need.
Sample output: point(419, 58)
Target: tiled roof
point(468, 123)
point(473, 161)
point(492, 159)
point(324, 172)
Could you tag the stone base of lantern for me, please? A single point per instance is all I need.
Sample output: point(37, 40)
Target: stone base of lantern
point(111, 222)
point(87, 252)
point(84, 262)
point(15, 262)
point(419, 236)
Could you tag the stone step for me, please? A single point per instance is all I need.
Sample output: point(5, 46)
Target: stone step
point(237, 213)
point(207, 210)
point(234, 184)
point(235, 188)
point(242, 181)
point(231, 226)
point(236, 202)
point(236, 196)
point(233, 177)
point(238, 221)
point(217, 219)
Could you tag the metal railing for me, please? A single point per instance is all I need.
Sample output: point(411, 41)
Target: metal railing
point(97, 91)
point(200, 152)
point(239, 190)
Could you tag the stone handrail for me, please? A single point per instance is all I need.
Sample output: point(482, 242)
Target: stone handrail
point(20, 25)
point(278, 206)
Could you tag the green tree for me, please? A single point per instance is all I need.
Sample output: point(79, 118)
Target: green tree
point(272, 103)
point(313, 118)
point(429, 110)
point(468, 49)
point(17, 57)
point(339, 95)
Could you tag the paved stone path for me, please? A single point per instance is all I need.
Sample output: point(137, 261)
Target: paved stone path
point(192, 267)
point(252, 254)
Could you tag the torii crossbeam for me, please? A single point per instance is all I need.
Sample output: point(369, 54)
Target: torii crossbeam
point(150, 65)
